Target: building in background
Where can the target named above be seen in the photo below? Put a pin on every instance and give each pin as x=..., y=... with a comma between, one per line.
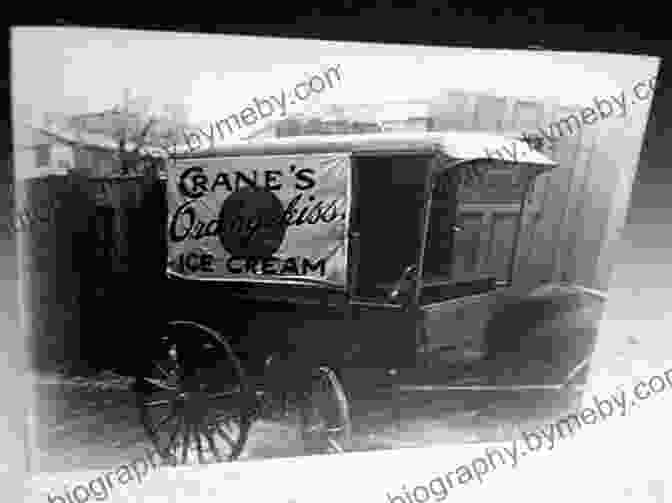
x=405, y=116
x=351, y=119
x=42, y=152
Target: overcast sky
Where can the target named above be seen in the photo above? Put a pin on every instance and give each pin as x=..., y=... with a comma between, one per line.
x=75, y=70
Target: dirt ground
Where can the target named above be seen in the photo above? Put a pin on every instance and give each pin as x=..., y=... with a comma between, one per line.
x=88, y=425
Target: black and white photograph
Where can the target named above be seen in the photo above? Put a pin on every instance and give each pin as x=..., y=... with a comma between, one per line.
x=319, y=250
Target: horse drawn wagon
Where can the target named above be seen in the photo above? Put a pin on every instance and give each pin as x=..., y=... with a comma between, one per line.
x=311, y=268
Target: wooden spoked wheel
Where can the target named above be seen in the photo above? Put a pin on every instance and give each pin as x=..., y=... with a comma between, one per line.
x=196, y=405
x=326, y=426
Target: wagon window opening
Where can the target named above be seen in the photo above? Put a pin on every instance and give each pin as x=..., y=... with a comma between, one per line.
x=390, y=193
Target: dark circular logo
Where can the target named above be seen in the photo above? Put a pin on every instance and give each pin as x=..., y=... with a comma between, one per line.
x=252, y=223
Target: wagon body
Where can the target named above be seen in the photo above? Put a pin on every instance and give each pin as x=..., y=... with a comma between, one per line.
x=399, y=197
x=323, y=264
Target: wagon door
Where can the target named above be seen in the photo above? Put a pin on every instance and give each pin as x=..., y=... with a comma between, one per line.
x=469, y=255
x=386, y=233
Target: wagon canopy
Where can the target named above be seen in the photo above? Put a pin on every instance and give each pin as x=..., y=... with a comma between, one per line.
x=280, y=210
x=456, y=145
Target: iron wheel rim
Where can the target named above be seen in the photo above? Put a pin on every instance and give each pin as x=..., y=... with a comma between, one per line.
x=326, y=426
x=192, y=428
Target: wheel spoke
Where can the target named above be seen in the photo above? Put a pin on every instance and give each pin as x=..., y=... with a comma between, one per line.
x=161, y=384
x=225, y=436
x=315, y=428
x=158, y=403
x=185, y=443
x=223, y=394
x=173, y=437
x=227, y=426
x=199, y=445
x=163, y=421
x=211, y=444
x=335, y=445
x=226, y=418
x=162, y=370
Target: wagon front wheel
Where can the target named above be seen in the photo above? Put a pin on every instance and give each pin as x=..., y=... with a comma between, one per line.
x=326, y=426
x=195, y=402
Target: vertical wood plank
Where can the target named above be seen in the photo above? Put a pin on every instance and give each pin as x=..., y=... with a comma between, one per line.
x=535, y=241
x=574, y=224
x=566, y=155
x=619, y=153
x=467, y=242
x=503, y=233
x=564, y=152
x=593, y=216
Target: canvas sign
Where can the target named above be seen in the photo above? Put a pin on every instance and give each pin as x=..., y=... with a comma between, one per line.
x=260, y=218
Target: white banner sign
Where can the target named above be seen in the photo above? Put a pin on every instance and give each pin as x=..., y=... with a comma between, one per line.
x=260, y=218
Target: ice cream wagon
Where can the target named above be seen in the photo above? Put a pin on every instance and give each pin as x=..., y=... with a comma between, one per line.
x=308, y=269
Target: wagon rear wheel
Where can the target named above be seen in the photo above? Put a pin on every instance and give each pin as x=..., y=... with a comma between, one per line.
x=195, y=403
x=326, y=425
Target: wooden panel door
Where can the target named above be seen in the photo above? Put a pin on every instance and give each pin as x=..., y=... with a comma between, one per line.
x=468, y=242
x=484, y=244
x=499, y=245
x=561, y=226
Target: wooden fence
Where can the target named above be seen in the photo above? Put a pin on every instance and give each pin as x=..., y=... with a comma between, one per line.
x=83, y=265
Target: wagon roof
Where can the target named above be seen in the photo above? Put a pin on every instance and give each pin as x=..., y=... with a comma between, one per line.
x=457, y=145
